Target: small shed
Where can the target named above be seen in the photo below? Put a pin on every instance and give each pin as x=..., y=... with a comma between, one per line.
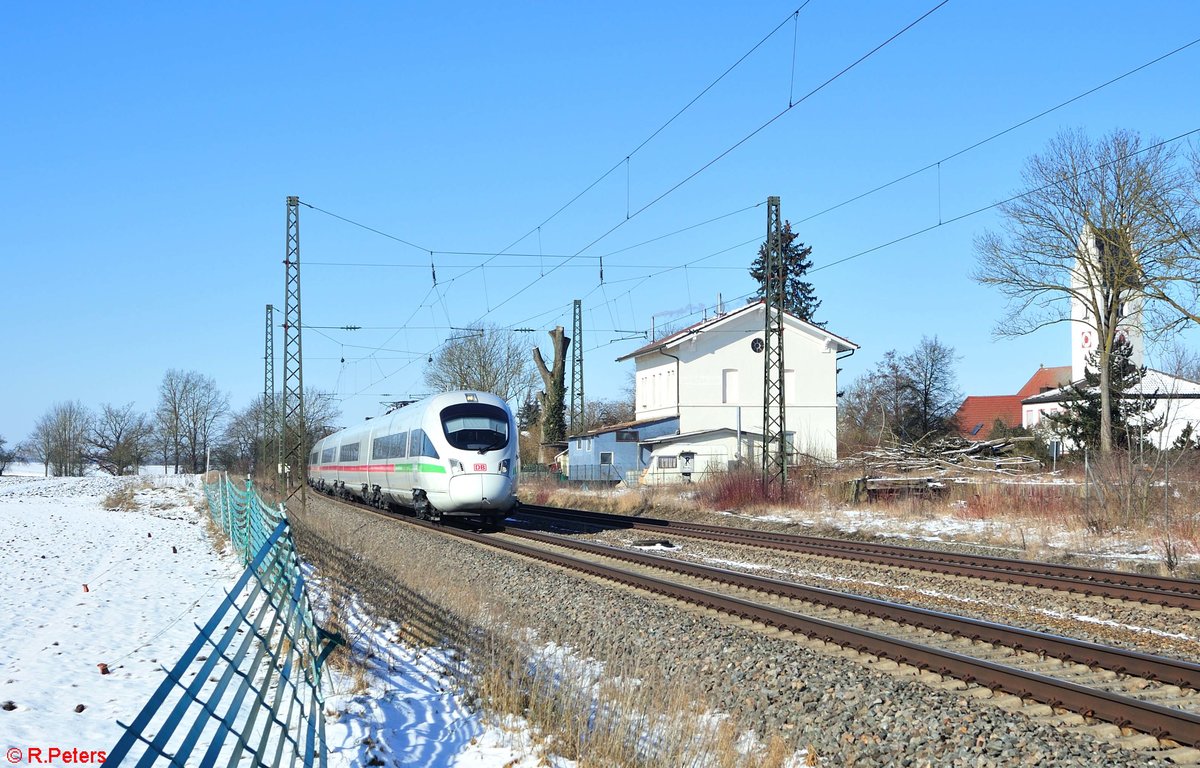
x=612, y=454
x=692, y=456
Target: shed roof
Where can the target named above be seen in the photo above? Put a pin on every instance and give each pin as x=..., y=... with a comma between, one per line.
x=621, y=426
x=695, y=433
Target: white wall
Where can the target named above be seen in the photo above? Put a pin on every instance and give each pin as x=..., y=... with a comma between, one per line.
x=720, y=375
x=1177, y=413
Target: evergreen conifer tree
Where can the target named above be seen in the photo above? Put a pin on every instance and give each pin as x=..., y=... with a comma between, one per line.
x=1079, y=421
x=799, y=298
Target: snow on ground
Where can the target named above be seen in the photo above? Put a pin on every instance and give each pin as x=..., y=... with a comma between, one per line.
x=1008, y=536
x=151, y=576
x=409, y=710
x=136, y=614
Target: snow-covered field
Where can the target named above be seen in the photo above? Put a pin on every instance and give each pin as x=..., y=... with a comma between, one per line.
x=151, y=575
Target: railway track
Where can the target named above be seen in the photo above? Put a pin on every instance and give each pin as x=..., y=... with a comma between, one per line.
x=1154, y=695
x=1119, y=585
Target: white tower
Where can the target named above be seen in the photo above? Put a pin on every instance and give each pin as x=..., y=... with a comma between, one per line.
x=1084, y=337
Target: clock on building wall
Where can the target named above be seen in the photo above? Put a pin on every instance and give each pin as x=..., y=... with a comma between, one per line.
x=756, y=345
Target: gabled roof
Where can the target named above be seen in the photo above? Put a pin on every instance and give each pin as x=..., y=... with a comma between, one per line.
x=1155, y=385
x=713, y=323
x=1045, y=380
x=978, y=413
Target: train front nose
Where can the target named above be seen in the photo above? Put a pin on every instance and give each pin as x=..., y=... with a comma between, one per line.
x=482, y=491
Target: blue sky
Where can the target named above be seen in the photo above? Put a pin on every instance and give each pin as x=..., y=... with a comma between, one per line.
x=149, y=149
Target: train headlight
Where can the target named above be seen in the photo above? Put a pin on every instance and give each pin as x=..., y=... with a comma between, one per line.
x=455, y=466
x=504, y=466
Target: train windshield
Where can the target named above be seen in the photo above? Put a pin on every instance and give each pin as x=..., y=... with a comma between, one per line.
x=475, y=427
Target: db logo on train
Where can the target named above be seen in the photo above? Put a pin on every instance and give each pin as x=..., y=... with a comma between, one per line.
x=481, y=467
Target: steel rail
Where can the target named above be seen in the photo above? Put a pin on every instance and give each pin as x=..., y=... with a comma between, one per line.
x=1159, y=590
x=1164, y=669
x=1123, y=711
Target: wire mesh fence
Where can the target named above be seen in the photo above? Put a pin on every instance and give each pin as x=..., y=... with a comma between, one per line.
x=247, y=691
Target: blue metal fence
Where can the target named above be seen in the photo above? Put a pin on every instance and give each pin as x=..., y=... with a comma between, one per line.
x=248, y=688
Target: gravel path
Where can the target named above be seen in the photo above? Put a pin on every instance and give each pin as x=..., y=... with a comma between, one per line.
x=849, y=712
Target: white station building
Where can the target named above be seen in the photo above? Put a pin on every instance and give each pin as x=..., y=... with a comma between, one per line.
x=703, y=389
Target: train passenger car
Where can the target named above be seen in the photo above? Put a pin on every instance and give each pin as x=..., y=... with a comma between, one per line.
x=450, y=455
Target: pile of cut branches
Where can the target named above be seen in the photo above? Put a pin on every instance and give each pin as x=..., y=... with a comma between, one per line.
x=946, y=455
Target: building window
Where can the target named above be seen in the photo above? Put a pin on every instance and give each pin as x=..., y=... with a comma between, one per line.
x=627, y=436
x=729, y=386
x=668, y=462
x=606, y=457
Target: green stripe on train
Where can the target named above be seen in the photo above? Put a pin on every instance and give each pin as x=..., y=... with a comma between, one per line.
x=434, y=468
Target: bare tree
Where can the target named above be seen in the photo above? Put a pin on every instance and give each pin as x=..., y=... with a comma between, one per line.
x=905, y=397
x=37, y=448
x=7, y=455
x=60, y=438
x=1105, y=225
x=1181, y=361
x=203, y=407
x=173, y=393
x=119, y=439
x=603, y=413
x=552, y=398
x=932, y=387
x=242, y=441
x=489, y=360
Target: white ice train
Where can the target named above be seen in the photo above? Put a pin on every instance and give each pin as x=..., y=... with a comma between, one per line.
x=450, y=455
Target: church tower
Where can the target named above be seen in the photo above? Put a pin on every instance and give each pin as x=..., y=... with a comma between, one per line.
x=1102, y=258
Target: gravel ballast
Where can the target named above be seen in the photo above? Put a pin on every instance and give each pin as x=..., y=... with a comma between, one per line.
x=846, y=712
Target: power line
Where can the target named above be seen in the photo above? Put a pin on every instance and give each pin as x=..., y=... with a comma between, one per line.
x=998, y=134
x=737, y=144
x=661, y=128
x=997, y=204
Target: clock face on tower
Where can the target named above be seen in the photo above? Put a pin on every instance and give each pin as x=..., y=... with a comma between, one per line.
x=756, y=345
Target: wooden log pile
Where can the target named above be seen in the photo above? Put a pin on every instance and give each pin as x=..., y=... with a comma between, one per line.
x=946, y=456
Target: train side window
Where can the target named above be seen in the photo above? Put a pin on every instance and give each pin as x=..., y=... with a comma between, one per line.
x=421, y=445
x=390, y=446
x=350, y=452
x=314, y=457
x=327, y=455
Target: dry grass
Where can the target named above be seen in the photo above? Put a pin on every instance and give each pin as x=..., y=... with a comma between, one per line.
x=595, y=699
x=1149, y=500
x=216, y=534
x=125, y=497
